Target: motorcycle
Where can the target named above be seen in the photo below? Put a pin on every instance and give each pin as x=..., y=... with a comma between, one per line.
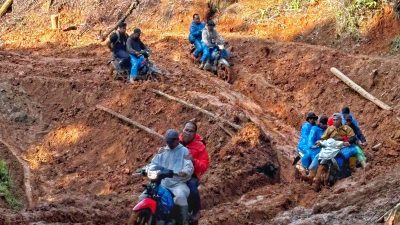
x=120, y=69
x=218, y=64
x=151, y=210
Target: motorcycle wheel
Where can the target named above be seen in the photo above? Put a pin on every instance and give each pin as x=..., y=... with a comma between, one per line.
x=141, y=217
x=225, y=73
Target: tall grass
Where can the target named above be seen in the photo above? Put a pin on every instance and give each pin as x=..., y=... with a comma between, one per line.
x=6, y=186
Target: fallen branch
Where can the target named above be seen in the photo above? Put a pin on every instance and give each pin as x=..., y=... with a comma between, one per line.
x=359, y=89
x=126, y=119
x=226, y=130
x=133, y=6
x=236, y=126
x=5, y=7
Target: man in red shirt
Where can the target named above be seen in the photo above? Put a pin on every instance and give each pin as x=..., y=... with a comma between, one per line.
x=199, y=156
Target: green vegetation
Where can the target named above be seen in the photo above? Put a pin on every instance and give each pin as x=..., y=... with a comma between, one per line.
x=395, y=47
x=351, y=14
x=6, y=186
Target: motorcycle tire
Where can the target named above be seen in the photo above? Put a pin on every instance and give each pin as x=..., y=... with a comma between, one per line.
x=225, y=73
x=141, y=217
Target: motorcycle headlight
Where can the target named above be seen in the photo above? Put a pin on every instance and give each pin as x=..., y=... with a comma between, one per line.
x=152, y=175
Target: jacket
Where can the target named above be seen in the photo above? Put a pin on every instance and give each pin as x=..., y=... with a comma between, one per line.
x=196, y=31
x=134, y=46
x=174, y=159
x=199, y=154
x=118, y=41
x=210, y=39
x=305, y=131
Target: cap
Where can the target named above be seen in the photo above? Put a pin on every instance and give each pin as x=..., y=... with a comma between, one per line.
x=311, y=115
x=171, y=134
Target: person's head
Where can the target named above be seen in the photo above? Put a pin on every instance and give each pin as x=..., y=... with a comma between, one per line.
x=345, y=110
x=172, y=138
x=311, y=118
x=189, y=132
x=323, y=122
x=196, y=18
x=136, y=33
x=121, y=27
x=210, y=25
x=337, y=120
x=348, y=119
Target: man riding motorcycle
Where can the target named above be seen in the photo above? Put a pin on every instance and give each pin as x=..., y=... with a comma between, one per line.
x=174, y=157
x=195, y=35
x=117, y=45
x=200, y=159
x=211, y=40
x=138, y=52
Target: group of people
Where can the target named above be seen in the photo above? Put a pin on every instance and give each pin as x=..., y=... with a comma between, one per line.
x=339, y=134
x=187, y=156
x=129, y=49
x=205, y=39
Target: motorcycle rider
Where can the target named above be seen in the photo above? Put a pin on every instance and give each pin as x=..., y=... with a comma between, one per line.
x=200, y=159
x=174, y=157
x=195, y=35
x=117, y=45
x=211, y=40
x=137, y=51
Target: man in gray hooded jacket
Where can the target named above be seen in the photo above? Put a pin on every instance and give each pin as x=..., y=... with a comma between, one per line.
x=174, y=156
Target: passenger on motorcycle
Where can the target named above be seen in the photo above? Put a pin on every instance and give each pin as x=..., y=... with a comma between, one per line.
x=137, y=51
x=342, y=132
x=174, y=157
x=361, y=141
x=195, y=35
x=305, y=131
x=346, y=111
x=211, y=40
x=117, y=45
x=199, y=156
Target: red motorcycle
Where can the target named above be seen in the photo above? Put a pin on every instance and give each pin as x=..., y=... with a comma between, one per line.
x=155, y=208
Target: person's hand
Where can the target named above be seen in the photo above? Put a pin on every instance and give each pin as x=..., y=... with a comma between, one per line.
x=346, y=144
x=182, y=174
x=161, y=150
x=189, y=157
x=364, y=144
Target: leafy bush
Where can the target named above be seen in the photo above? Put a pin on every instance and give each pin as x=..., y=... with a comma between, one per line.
x=395, y=47
x=6, y=186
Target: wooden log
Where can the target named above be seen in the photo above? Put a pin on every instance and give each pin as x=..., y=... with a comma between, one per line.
x=5, y=7
x=190, y=105
x=359, y=89
x=134, y=123
x=133, y=6
x=55, y=22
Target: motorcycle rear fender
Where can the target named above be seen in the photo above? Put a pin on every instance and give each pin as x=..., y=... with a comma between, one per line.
x=147, y=203
x=223, y=61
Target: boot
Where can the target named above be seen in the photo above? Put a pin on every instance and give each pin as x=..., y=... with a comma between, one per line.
x=201, y=66
x=184, y=215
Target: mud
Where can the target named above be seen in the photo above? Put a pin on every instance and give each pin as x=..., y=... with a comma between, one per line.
x=81, y=158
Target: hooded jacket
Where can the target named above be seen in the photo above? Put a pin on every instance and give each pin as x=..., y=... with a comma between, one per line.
x=174, y=159
x=196, y=31
x=199, y=153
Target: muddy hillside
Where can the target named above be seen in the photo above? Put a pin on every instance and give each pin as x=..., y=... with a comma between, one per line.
x=71, y=162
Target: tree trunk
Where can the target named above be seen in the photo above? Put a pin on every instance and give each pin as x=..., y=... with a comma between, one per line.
x=359, y=89
x=5, y=7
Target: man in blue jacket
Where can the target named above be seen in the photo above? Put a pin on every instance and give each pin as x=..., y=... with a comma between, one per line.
x=315, y=135
x=305, y=131
x=195, y=35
